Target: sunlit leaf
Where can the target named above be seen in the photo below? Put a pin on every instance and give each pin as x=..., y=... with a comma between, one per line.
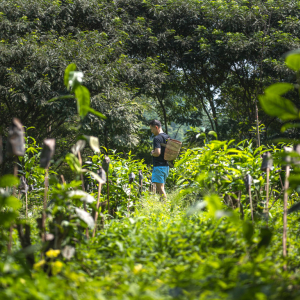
x=13, y=202
x=293, y=61
x=70, y=68
x=60, y=97
x=213, y=133
x=277, y=106
x=279, y=88
x=85, y=217
x=73, y=162
x=201, y=135
x=97, y=113
x=79, y=146
x=94, y=176
x=82, y=196
x=94, y=143
x=9, y=180
x=213, y=204
x=82, y=95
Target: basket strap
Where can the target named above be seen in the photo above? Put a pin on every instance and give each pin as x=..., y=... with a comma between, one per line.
x=164, y=145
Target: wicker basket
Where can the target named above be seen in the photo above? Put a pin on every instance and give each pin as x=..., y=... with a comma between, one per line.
x=172, y=149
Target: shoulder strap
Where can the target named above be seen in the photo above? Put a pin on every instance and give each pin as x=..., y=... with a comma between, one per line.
x=164, y=144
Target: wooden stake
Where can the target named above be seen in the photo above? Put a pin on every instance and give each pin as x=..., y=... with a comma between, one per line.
x=9, y=245
x=107, y=182
x=251, y=207
x=45, y=206
x=240, y=205
x=141, y=187
x=285, y=199
x=62, y=179
x=82, y=185
x=97, y=207
x=26, y=206
x=129, y=198
x=267, y=200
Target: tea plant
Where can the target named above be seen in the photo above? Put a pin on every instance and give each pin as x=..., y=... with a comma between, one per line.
x=151, y=249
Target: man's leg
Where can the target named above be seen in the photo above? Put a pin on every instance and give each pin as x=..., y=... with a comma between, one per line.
x=160, y=187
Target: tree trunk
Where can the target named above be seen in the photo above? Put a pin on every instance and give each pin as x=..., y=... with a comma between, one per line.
x=164, y=113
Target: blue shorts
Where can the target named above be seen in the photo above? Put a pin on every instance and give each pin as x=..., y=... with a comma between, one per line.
x=160, y=174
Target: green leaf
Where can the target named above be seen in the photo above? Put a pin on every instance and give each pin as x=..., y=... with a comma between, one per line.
x=279, y=88
x=83, y=196
x=94, y=143
x=9, y=180
x=82, y=95
x=97, y=113
x=85, y=217
x=213, y=204
x=96, y=176
x=70, y=68
x=201, y=135
x=73, y=162
x=277, y=106
x=60, y=97
x=293, y=61
x=13, y=202
x=289, y=125
x=213, y=133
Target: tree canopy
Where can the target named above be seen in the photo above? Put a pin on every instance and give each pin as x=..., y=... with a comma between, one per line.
x=189, y=61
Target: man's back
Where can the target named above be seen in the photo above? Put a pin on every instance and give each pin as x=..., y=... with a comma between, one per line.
x=157, y=141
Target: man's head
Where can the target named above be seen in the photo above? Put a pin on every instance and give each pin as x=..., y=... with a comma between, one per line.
x=155, y=127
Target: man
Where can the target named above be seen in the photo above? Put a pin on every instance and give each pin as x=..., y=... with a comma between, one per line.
x=160, y=166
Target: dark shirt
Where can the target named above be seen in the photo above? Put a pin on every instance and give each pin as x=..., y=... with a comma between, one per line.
x=158, y=139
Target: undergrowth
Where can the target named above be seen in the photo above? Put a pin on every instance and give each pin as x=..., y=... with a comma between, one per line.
x=161, y=252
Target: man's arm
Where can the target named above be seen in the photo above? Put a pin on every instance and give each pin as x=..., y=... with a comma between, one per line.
x=156, y=145
x=156, y=152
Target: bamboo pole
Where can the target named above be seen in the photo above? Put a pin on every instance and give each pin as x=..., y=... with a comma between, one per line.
x=251, y=206
x=83, y=188
x=97, y=207
x=26, y=205
x=285, y=199
x=129, y=198
x=9, y=245
x=267, y=200
x=62, y=179
x=107, y=183
x=45, y=206
x=240, y=205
